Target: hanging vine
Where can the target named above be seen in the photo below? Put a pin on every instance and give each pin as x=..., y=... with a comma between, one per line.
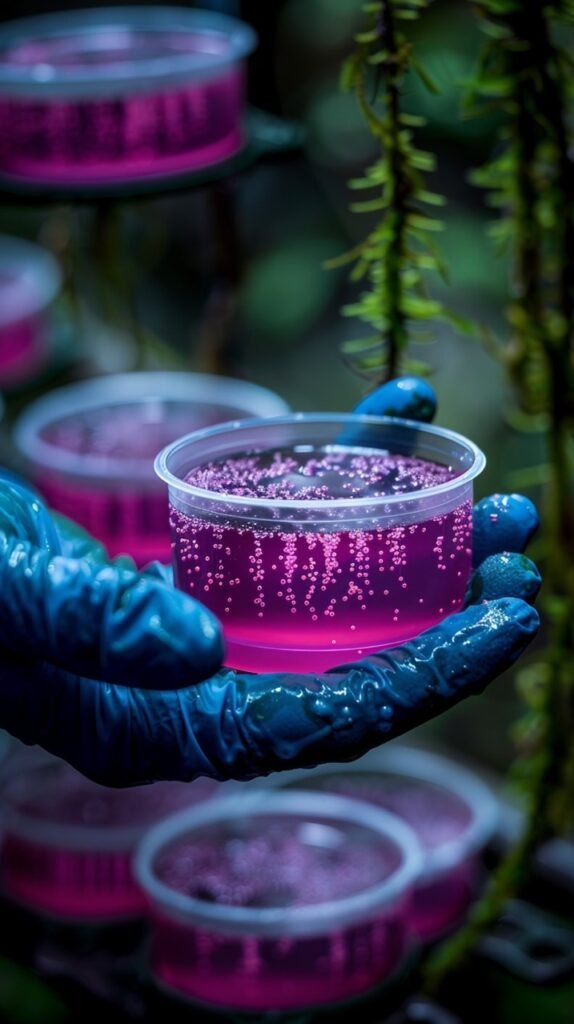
x=397, y=255
x=526, y=74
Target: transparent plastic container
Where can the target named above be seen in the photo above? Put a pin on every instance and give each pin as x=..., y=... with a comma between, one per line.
x=121, y=93
x=29, y=282
x=277, y=901
x=90, y=448
x=67, y=843
x=450, y=809
x=321, y=538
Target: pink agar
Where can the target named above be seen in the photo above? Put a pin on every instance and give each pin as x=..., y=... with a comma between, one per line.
x=291, y=598
x=21, y=340
x=439, y=818
x=69, y=851
x=277, y=869
x=128, y=515
x=97, y=139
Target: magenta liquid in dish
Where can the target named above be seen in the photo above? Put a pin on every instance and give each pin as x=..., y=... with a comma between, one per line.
x=302, y=599
x=134, y=134
x=439, y=818
x=129, y=515
x=67, y=843
x=281, y=868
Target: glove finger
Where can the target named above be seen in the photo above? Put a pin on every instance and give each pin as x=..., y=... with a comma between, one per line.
x=287, y=722
x=237, y=726
x=409, y=398
x=506, y=575
x=502, y=522
x=102, y=621
x=114, y=735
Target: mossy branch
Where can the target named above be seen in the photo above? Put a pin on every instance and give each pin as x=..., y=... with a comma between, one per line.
x=397, y=254
x=529, y=78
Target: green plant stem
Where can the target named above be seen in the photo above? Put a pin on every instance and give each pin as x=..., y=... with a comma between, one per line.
x=396, y=336
x=543, y=286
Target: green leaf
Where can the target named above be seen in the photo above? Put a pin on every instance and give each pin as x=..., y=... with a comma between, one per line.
x=431, y=198
x=367, y=37
x=526, y=423
x=351, y=71
x=359, y=270
x=505, y=6
x=424, y=76
x=381, y=57
x=417, y=367
x=418, y=308
x=412, y=120
x=358, y=346
x=375, y=176
x=417, y=220
x=500, y=87
x=335, y=262
x=461, y=324
x=423, y=161
x=27, y=999
x=369, y=206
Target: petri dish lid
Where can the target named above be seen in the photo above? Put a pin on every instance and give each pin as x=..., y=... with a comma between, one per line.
x=75, y=430
x=52, y=804
x=29, y=279
x=417, y=785
x=103, y=51
x=371, y=858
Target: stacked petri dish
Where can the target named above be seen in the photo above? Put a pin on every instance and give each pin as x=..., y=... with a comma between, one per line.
x=449, y=808
x=116, y=94
x=89, y=448
x=67, y=843
x=278, y=901
x=29, y=282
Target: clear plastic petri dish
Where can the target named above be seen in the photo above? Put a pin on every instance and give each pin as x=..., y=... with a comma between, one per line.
x=320, y=538
x=121, y=93
x=29, y=282
x=451, y=810
x=277, y=901
x=89, y=448
x=67, y=843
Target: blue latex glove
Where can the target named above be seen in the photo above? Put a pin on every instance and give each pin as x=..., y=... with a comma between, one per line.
x=73, y=627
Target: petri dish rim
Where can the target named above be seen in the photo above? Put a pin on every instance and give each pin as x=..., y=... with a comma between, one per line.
x=38, y=274
x=427, y=766
x=107, y=391
x=137, y=76
x=312, y=919
x=111, y=838
x=324, y=506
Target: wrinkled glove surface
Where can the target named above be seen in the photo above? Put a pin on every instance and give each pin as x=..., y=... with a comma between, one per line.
x=114, y=670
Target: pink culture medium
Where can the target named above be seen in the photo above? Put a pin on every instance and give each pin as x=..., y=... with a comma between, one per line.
x=90, y=448
x=120, y=94
x=310, y=553
x=67, y=844
x=300, y=901
x=450, y=810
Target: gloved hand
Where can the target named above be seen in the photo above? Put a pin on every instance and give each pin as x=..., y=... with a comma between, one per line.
x=101, y=665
